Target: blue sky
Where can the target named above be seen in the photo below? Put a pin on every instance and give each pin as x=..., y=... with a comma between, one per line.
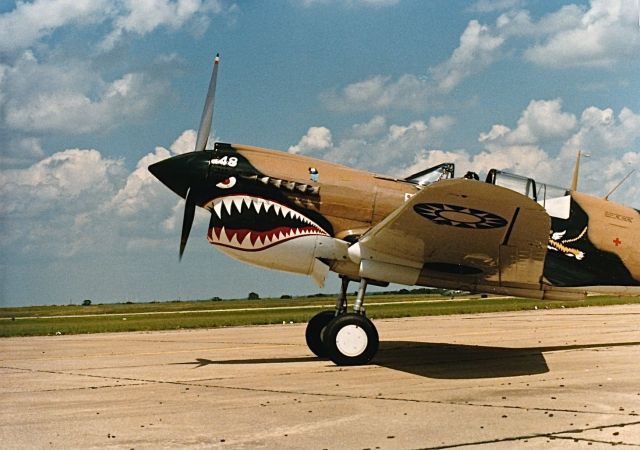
x=92, y=92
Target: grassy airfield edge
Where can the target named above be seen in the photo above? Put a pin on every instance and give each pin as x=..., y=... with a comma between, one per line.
x=127, y=317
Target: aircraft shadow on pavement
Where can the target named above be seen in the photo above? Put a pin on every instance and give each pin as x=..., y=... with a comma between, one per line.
x=457, y=361
x=444, y=361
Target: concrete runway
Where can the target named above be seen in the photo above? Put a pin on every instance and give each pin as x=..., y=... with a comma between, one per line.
x=547, y=378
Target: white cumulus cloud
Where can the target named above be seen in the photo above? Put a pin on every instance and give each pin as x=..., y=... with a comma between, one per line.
x=63, y=178
x=542, y=143
x=378, y=93
x=45, y=97
x=23, y=26
x=546, y=140
x=78, y=201
x=602, y=132
x=19, y=151
x=371, y=128
x=479, y=47
x=349, y=3
x=317, y=138
x=541, y=120
x=143, y=17
x=602, y=35
x=606, y=33
x=46, y=207
x=374, y=145
x=31, y=22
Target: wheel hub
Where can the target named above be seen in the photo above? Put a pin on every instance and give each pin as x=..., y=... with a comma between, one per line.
x=352, y=340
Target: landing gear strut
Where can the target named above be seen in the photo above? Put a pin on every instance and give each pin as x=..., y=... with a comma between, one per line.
x=348, y=339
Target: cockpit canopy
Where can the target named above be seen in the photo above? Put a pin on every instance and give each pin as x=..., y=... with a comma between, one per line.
x=442, y=171
x=554, y=199
x=540, y=192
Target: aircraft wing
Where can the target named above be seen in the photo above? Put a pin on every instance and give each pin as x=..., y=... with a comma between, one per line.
x=465, y=230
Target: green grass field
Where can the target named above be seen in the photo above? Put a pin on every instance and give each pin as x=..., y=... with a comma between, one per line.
x=51, y=320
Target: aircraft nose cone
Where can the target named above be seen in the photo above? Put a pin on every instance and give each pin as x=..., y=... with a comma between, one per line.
x=181, y=172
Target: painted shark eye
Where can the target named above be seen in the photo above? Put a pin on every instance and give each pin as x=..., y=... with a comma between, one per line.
x=227, y=184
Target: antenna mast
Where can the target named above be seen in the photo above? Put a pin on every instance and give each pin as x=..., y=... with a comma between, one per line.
x=576, y=171
x=606, y=197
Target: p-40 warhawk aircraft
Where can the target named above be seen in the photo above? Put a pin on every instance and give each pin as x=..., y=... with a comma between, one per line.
x=506, y=235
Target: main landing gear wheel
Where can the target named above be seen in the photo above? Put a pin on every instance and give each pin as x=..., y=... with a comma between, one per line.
x=351, y=340
x=315, y=332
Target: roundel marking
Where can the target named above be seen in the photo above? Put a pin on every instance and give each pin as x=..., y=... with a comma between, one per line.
x=459, y=216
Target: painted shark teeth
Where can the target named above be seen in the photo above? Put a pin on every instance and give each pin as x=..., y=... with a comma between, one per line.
x=254, y=241
x=244, y=202
x=292, y=223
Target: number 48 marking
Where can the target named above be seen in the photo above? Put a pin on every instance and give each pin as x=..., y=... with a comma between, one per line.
x=225, y=161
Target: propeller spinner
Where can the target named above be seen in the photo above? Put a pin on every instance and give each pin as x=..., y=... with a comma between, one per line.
x=184, y=173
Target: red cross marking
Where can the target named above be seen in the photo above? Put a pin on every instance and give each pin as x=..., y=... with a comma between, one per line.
x=617, y=241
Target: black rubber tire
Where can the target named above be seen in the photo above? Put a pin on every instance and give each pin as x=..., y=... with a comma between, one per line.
x=315, y=331
x=352, y=326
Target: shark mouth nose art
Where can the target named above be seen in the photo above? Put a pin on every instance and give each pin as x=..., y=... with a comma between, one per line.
x=251, y=223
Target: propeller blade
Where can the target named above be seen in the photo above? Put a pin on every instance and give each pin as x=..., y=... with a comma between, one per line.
x=187, y=221
x=207, y=112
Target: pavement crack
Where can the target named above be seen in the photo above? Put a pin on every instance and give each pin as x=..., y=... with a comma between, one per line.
x=595, y=441
x=202, y=383
x=554, y=435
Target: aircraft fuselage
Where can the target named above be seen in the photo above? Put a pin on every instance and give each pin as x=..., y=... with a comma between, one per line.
x=303, y=215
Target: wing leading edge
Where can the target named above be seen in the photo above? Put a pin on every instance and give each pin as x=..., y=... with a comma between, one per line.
x=460, y=232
